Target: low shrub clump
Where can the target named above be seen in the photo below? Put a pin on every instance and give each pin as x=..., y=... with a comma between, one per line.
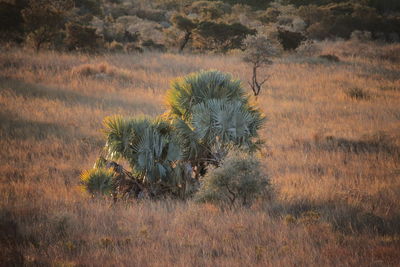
x=100, y=70
x=238, y=180
x=357, y=93
x=330, y=58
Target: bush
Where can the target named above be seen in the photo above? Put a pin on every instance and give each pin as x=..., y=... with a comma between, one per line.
x=290, y=40
x=341, y=19
x=98, y=181
x=308, y=48
x=10, y=22
x=151, y=14
x=269, y=16
x=102, y=70
x=43, y=22
x=82, y=38
x=115, y=46
x=361, y=36
x=89, y=7
x=329, y=57
x=209, y=10
x=132, y=48
x=153, y=46
x=238, y=180
x=357, y=93
x=221, y=37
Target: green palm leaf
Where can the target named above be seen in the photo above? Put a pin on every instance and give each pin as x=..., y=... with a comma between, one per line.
x=199, y=87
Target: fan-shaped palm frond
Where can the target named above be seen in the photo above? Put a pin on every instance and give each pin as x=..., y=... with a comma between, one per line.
x=98, y=181
x=230, y=121
x=199, y=87
x=188, y=140
x=148, y=145
x=122, y=133
x=118, y=135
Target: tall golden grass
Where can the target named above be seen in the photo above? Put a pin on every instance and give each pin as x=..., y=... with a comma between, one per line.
x=333, y=160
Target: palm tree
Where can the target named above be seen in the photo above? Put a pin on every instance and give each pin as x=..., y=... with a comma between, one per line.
x=208, y=114
x=209, y=107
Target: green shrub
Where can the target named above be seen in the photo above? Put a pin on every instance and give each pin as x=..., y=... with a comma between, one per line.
x=43, y=21
x=98, y=181
x=82, y=38
x=341, y=19
x=238, y=180
x=209, y=10
x=220, y=37
x=290, y=40
x=11, y=23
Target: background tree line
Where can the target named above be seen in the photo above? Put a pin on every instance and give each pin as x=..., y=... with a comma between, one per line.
x=197, y=26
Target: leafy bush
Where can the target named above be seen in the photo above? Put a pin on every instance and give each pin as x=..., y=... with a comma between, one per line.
x=11, y=23
x=308, y=48
x=341, y=19
x=43, y=21
x=238, y=180
x=151, y=14
x=98, y=181
x=209, y=10
x=82, y=38
x=290, y=40
x=268, y=16
x=221, y=37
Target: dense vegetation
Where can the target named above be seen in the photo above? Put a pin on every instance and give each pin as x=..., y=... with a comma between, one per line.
x=134, y=26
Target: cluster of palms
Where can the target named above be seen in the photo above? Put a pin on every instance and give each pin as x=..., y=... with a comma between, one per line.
x=208, y=115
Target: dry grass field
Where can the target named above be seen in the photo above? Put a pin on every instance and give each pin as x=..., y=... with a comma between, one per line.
x=332, y=153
